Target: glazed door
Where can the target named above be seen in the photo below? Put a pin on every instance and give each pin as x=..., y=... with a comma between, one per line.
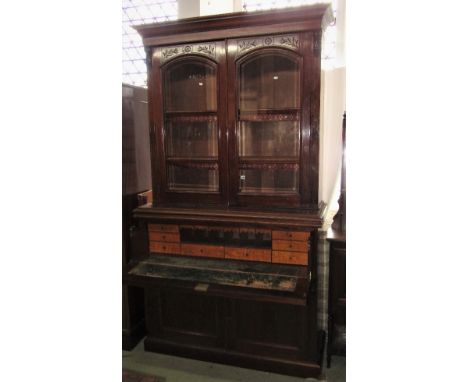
x=269, y=116
x=190, y=127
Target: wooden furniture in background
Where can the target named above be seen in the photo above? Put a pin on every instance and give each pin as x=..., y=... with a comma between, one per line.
x=231, y=235
x=337, y=271
x=136, y=177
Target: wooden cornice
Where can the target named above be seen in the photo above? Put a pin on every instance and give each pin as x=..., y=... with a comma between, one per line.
x=236, y=24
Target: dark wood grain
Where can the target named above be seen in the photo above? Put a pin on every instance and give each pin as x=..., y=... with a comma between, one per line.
x=251, y=322
x=235, y=25
x=268, y=219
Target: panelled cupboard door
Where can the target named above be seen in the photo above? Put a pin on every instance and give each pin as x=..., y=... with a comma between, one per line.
x=269, y=118
x=188, y=109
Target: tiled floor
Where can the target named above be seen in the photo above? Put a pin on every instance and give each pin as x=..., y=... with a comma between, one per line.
x=176, y=369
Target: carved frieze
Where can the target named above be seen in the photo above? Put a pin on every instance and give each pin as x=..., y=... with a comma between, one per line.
x=269, y=166
x=197, y=165
x=193, y=118
x=270, y=117
x=290, y=41
x=169, y=52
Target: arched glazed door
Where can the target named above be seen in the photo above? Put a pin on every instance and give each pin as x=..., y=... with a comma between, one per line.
x=270, y=118
x=192, y=144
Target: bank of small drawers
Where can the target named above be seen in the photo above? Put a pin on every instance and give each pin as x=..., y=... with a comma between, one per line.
x=288, y=247
x=164, y=238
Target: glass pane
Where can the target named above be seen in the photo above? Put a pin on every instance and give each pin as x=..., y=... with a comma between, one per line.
x=269, y=138
x=269, y=82
x=192, y=178
x=269, y=180
x=192, y=139
x=190, y=86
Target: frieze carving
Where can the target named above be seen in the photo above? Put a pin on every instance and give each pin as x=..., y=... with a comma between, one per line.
x=290, y=40
x=193, y=118
x=284, y=41
x=208, y=49
x=269, y=166
x=270, y=117
x=196, y=165
x=169, y=52
x=245, y=45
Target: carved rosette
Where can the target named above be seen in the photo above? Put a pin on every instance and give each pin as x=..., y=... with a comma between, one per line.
x=285, y=41
x=169, y=52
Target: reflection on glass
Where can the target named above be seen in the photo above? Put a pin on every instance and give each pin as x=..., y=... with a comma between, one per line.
x=269, y=82
x=191, y=178
x=190, y=86
x=192, y=139
x=269, y=138
x=269, y=180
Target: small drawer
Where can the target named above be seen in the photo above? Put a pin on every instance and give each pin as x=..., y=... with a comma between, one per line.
x=250, y=254
x=164, y=237
x=294, y=246
x=164, y=247
x=163, y=228
x=284, y=257
x=202, y=250
x=291, y=235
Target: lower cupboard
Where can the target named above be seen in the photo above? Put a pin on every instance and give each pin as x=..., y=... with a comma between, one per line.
x=247, y=332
